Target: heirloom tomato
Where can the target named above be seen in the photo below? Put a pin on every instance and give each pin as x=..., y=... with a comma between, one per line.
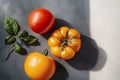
x=64, y=42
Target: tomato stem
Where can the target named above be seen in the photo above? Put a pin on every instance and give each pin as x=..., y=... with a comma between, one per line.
x=9, y=53
x=45, y=52
x=72, y=38
x=66, y=41
x=66, y=35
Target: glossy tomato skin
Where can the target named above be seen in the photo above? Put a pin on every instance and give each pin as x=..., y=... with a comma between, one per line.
x=56, y=51
x=53, y=42
x=64, y=42
x=41, y=20
x=39, y=67
x=67, y=53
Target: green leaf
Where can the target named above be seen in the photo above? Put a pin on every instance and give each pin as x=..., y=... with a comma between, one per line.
x=10, y=40
x=29, y=39
x=10, y=25
x=23, y=34
x=18, y=49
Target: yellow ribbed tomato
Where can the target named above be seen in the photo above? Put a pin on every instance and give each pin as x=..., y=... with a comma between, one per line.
x=64, y=42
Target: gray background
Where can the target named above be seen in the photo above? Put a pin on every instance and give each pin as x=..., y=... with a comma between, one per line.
x=72, y=13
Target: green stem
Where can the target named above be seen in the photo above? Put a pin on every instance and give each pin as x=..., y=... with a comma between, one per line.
x=64, y=43
x=20, y=34
x=45, y=52
x=17, y=37
x=9, y=53
x=66, y=35
x=72, y=38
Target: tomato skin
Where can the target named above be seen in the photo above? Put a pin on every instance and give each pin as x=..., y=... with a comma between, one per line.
x=75, y=44
x=40, y=20
x=63, y=30
x=73, y=32
x=67, y=53
x=64, y=42
x=39, y=67
x=57, y=34
x=53, y=67
x=56, y=51
x=53, y=42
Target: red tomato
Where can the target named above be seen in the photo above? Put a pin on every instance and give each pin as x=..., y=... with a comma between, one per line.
x=40, y=20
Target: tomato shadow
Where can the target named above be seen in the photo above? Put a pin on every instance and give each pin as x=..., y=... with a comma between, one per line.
x=61, y=73
x=101, y=61
x=89, y=56
x=58, y=23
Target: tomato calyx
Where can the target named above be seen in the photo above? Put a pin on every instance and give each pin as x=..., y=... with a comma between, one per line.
x=45, y=52
x=66, y=41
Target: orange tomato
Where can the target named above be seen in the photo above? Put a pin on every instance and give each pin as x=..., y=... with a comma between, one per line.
x=53, y=41
x=64, y=42
x=39, y=67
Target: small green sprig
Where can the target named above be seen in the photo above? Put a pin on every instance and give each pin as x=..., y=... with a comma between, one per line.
x=12, y=28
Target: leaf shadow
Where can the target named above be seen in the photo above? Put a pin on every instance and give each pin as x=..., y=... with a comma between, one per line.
x=18, y=26
x=37, y=43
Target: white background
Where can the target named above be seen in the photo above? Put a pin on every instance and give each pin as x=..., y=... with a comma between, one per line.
x=105, y=29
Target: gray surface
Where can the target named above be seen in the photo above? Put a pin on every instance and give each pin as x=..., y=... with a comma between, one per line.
x=73, y=13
